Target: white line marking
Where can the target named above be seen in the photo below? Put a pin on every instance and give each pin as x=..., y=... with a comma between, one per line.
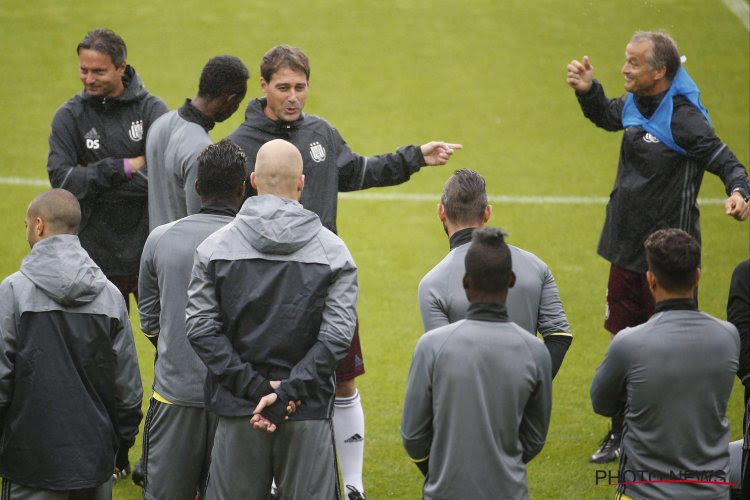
x=502, y=198
x=21, y=181
x=741, y=9
x=423, y=197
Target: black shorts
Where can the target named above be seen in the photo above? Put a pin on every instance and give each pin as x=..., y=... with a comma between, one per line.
x=629, y=300
x=352, y=365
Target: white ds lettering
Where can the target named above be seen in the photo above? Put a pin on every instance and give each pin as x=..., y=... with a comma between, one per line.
x=92, y=143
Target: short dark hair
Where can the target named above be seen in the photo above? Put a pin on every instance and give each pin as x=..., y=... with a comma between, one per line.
x=488, y=261
x=59, y=209
x=465, y=197
x=221, y=169
x=674, y=257
x=283, y=56
x=663, y=53
x=223, y=75
x=107, y=42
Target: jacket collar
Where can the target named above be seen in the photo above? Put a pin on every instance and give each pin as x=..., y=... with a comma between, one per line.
x=219, y=209
x=675, y=305
x=488, y=311
x=190, y=113
x=461, y=237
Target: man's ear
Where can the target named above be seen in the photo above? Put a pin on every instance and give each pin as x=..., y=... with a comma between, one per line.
x=253, y=181
x=263, y=85
x=698, y=275
x=39, y=226
x=651, y=280
x=661, y=73
x=512, y=281
x=197, y=187
x=487, y=213
x=441, y=212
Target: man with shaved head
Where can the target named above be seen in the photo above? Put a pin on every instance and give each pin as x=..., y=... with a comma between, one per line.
x=271, y=312
x=70, y=389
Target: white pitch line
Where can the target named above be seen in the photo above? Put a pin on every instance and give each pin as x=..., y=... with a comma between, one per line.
x=22, y=181
x=502, y=198
x=741, y=9
x=422, y=197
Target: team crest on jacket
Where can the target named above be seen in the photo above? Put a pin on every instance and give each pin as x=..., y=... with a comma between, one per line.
x=651, y=138
x=317, y=152
x=136, y=131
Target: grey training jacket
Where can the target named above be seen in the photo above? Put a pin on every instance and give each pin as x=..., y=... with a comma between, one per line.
x=477, y=405
x=533, y=303
x=166, y=266
x=677, y=369
x=272, y=297
x=70, y=389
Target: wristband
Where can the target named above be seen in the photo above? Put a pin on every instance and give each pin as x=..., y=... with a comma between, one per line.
x=127, y=168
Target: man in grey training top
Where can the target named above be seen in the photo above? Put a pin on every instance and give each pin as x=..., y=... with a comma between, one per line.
x=672, y=377
x=178, y=137
x=479, y=394
x=271, y=312
x=178, y=432
x=533, y=302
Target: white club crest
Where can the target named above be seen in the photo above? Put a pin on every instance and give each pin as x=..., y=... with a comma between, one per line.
x=650, y=138
x=317, y=152
x=136, y=131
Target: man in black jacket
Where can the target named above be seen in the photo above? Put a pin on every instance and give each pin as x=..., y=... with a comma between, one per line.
x=96, y=151
x=70, y=389
x=329, y=167
x=667, y=146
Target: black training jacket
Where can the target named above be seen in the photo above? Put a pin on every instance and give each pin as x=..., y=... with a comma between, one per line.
x=656, y=187
x=89, y=139
x=328, y=163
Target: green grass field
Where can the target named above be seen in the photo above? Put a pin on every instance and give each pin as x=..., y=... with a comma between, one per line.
x=490, y=75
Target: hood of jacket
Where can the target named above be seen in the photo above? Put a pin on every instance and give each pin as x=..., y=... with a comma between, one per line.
x=275, y=225
x=256, y=118
x=62, y=269
x=134, y=89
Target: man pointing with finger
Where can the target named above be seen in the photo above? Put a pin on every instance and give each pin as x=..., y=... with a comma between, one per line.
x=667, y=145
x=329, y=167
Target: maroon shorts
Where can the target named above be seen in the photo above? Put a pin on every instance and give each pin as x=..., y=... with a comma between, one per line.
x=629, y=300
x=352, y=365
x=126, y=285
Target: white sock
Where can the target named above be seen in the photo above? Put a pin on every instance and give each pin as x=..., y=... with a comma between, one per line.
x=349, y=429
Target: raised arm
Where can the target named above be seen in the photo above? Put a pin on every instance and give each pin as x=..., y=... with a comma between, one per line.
x=360, y=172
